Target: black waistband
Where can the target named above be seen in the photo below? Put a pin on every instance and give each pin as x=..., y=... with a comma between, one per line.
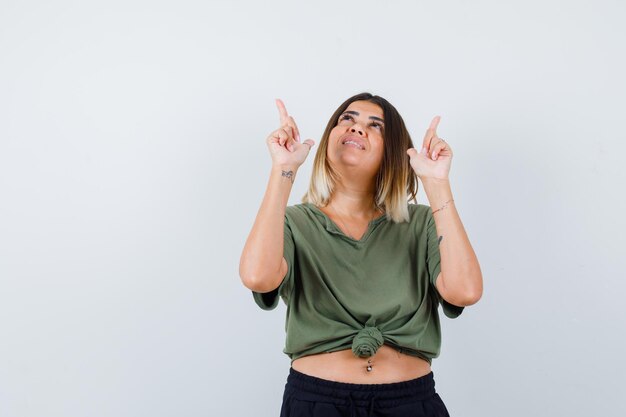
x=387, y=394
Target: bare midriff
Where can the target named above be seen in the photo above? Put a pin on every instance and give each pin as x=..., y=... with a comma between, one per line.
x=387, y=366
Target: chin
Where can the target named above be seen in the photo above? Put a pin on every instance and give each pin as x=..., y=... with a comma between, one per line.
x=347, y=159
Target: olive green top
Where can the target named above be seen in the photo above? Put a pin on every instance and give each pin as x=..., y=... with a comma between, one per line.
x=343, y=293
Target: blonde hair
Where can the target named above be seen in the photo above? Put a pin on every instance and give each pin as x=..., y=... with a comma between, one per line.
x=396, y=182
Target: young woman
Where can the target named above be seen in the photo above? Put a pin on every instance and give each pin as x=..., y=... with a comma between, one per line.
x=361, y=270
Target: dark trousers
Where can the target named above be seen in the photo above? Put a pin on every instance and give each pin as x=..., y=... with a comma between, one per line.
x=308, y=396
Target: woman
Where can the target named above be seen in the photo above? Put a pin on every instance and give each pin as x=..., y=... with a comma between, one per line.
x=361, y=270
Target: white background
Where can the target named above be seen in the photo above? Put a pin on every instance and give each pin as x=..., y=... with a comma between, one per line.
x=133, y=162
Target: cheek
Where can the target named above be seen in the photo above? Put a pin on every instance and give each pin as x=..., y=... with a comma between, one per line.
x=337, y=131
x=380, y=151
x=334, y=135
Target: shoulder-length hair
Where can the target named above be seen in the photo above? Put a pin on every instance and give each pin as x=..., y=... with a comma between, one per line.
x=395, y=181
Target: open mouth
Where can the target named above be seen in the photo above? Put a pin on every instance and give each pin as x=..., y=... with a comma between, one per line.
x=353, y=143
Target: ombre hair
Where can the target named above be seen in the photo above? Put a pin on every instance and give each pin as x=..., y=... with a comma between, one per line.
x=396, y=182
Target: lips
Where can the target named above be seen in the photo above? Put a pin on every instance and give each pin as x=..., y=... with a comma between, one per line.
x=355, y=141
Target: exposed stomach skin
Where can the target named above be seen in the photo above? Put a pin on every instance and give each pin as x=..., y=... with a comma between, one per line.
x=388, y=366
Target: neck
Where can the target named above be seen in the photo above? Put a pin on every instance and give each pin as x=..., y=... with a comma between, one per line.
x=353, y=201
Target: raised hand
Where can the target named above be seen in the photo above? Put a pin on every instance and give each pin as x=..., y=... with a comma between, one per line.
x=284, y=143
x=435, y=158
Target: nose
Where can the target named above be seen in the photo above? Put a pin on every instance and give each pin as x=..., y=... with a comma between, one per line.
x=357, y=129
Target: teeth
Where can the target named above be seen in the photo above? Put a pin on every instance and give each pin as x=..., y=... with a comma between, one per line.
x=354, y=143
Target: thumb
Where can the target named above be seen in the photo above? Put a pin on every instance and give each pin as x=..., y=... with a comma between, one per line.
x=301, y=145
x=412, y=152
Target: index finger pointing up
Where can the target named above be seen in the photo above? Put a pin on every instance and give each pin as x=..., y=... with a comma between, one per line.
x=434, y=123
x=284, y=116
x=431, y=132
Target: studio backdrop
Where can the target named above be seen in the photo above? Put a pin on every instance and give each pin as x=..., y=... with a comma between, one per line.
x=133, y=162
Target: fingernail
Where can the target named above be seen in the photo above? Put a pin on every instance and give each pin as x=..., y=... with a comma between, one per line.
x=433, y=155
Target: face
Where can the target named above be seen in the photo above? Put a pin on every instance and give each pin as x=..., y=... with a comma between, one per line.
x=357, y=139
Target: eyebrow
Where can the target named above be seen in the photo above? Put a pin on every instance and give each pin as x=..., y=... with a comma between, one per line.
x=356, y=113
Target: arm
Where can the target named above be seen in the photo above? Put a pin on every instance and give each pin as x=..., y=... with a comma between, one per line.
x=262, y=265
x=460, y=281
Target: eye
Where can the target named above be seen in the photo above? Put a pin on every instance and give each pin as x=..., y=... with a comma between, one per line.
x=345, y=117
x=377, y=125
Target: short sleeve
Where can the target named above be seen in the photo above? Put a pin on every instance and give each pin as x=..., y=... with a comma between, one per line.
x=269, y=300
x=433, y=261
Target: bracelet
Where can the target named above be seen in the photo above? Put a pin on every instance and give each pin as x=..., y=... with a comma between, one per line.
x=443, y=207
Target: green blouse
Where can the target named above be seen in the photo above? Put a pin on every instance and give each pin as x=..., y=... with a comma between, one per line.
x=343, y=293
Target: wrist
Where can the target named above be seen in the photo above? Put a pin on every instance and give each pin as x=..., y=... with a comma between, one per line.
x=285, y=167
x=437, y=191
x=434, y=182
x=284, y=172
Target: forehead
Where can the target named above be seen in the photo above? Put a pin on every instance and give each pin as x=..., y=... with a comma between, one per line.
x=366, y=108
